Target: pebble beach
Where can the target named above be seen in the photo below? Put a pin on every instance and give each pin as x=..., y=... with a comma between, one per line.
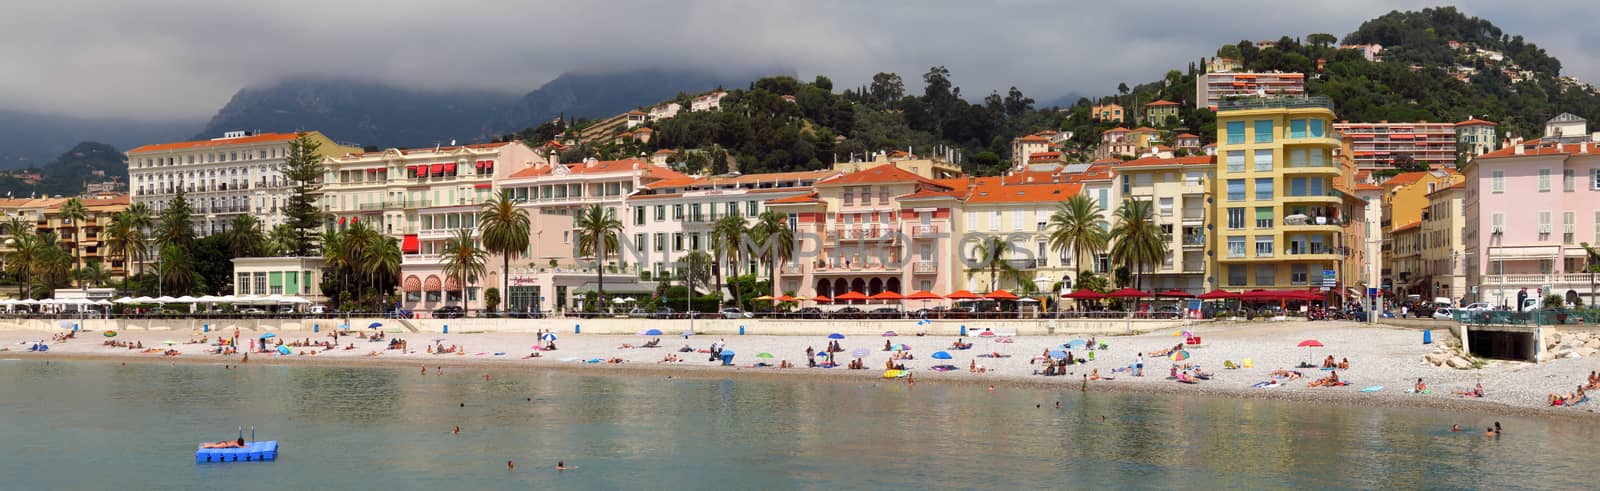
x=1393, y=358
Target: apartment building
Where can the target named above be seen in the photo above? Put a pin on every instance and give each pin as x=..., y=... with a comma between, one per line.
x=1379, y=145
x=1107, y=112
x=239, y=173
x=1444, y=270
x=1279, y=218
x=1177, y=187
x=708, y=102
x=1214, y=87
x=1406, y=194
x=1161, y=111
x=1529, y=207
x=1476, y=137
x=669, y=218
x=1405, y=260
x=423, y=196
x=84, y=240
x=1016, y=209
x=1024, y=147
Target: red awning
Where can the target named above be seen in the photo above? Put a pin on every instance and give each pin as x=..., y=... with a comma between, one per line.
x=438, y=169
x=482, y=185
x=412, y=169
x=409, y=245
x=373, y=170
x=449, y=168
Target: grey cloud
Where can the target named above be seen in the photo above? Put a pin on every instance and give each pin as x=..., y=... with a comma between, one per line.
x=160, y=59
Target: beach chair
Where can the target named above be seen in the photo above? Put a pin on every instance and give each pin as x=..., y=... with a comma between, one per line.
x=1248, y=363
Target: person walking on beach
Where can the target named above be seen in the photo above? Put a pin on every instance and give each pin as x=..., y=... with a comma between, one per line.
x=811, y=357
x=1138, y=366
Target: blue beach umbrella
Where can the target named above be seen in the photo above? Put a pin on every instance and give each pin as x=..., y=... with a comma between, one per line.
x=835, y=336
x=268, y=335
x=1058, y=354
x=375, y=325
x=688, y=333
x=283, y=350
x=549, y=336
x=651, y=332
x=941, y=355
x=1077, y=343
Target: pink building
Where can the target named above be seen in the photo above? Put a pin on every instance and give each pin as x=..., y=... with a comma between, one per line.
x=1529, y=207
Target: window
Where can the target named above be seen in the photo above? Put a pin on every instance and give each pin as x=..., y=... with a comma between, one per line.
x=1236, y=246
x=661, y=242
x=1544, y=224
x=1544, y=180
x=661, y=212
x=638, y=216
x=1236, y=161
x=1263, y=246
x=1264, y=218
x=1264, y=189
x=694, y=241
x=1017, y=220
x=1594, y=179
x=1236, y=190
x=994, y=221
x=1497, y=223
x=1546, y=266
x=1264, y=131
x=1297, y=186
x=1318, y=158
x=1597, y=226
x=638, y=243
x=1165, y=207
x=1316, y=128
x=1569, y=224
x=1262, y=159
x=1266, y=274
x=677, y=212
x=677, y=241
x=1569, y=178
x=1236, y=275
x=1297, y=274
x=1235, y=131
x=752, y=208
x=1105, y=198
x=1297, y=128
x=1235, y=218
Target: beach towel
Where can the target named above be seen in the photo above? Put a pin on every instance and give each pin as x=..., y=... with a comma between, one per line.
x=1265, y=384
x=1374, y=388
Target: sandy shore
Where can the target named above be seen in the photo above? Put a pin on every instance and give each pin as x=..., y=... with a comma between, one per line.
x=1386, y=357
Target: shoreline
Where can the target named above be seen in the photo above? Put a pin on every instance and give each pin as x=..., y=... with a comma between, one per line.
x=1071, y=382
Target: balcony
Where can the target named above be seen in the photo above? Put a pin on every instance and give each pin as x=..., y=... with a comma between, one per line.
x=377, y=206
x=1026, y=264
x=924, y=267
x=1194, y=214
x=1559, y=281
x=417, y=203
x=1194, y=241
x=1326, y=196
x=924, y=231
x=790, y=268
x=1299, y=221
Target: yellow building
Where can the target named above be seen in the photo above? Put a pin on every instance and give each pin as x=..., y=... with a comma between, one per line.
x=1107, y=112
x=83, y=240
x=1405, y=195
x=1279, y=218
x=1177, y=188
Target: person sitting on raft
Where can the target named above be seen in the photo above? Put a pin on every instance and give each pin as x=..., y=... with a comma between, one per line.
x=239, y=443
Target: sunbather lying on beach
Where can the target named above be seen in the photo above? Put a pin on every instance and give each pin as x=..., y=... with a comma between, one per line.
x=995, y=354
x=1475, y=392
x=533, y=355
x=1330, y=381
x=1286, y=374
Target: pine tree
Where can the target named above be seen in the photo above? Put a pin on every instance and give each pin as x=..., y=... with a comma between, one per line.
x=303, y=169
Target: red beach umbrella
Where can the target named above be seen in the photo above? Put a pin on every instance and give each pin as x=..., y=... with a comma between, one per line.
x=1308, y=344
x=851, y=296
x=1174, y=294
x=1129, y=293
x=1083, y=294
x=1001, y=295
x=887, y=296
x=820, y=299
x=923, y=295
x=1218, y=295
x=963, y=295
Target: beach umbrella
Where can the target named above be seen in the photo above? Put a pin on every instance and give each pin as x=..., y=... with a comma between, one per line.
x=900, y=347
x=143, y=300
x=283, y=350
x=963, y=295
x=835, y=336
x=1174, y=294
x=374, y=325
x=1308, y=344
x=941, y=355
x=688, y=333
x=102, y=302
x=1076, y=344
x=889, y=334
x=763, y=355
x=1082, y=294
x=923, y=295
x=887, y=296
x=165, y=299
x=268, y=335
x=763, y=298
x=860, y=353
x=184, y=299
x=1128, y=293
x=820, y=299
x=786, y=298
x=1218, y=295
x=549, y=336
x=650, y=332
x=1057, y=354
x=123, y=300
x=66, y=324
x=1000, y=295
x=169, y=342
x=851, y=297
x=1179, y=355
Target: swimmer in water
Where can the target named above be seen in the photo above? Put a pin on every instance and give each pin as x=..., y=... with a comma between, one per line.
x=511, y=466
x=1102, y=418
x=1497, y=429
x=561, y=465
x=486, y=376
x=424, y=370
x=1455, y=428
x=1488, y=433
x=1058, y=404
x=463, y=404
x=456, y=431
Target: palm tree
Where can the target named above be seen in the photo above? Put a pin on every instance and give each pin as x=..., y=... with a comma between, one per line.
x=1139, y=241
x=777, y=242
x=333, y=259
x=1591, y=265
x=462, y=259
x=52, y=264
x=177, y=269
x=597, y=237
x=1077, y=226
x=75, y=213
x=696, y=265
x=139, y=222
x=725, y=237
x=282, y=240
x=93, y=274
x=382, y=260
x=991, y=257
x=505, y=230
x=24, y=251
x=245, y=238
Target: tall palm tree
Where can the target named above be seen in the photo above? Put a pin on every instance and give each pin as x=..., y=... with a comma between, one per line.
x=504, y=229
x=177, y=270
x=1139, y=241
x=462, y=259
x=696, y=267
x=245, y=238
x=598, y=234
x=991, y=257
x=93, y=274
x=1077, y=226
x=352, y=247
x=282, y=240
x=333, y=259
x=777, y=242
x=74, y=211
x=725, y=236
x=139, y=221
x=52, y=264
x=24, y=251
x=382, y=260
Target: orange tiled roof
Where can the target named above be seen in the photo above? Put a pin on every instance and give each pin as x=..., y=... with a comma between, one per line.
x=1188, y=135
x=261, y=138
x=1475, y=122
x=1158, y=161
x=1404, y=179
x=997, y=190
x=1033, y=138
x=1115, y=130
x=1145, y=129
x=1409, y=226
x=1368, y=187
x=1162, y=102
x=1537, y=148
x=802, y=199
x=636, y=112
x=882, y=174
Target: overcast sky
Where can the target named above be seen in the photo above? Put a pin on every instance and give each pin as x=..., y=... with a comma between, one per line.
x=170, y=59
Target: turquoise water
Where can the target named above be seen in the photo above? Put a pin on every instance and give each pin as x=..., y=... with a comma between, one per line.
x=90, y=425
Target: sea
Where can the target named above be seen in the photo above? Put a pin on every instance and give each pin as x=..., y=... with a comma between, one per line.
x=104, y=425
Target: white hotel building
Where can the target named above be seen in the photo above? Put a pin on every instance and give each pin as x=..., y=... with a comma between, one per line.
x=240, y=173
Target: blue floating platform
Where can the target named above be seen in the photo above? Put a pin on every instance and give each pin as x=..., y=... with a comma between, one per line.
x=252, y=452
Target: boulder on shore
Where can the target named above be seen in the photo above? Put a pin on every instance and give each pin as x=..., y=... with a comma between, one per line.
x=1459, y=363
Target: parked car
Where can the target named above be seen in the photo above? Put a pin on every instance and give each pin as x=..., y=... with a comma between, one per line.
x=734, y=313
x=664, y=313
x=885, y=313
x=1478, y=307
x=449, y=312
x=1444, y=314
x=808, y=313
x=847, y=313
x=246, y=311
x=638, y=313
x=317, y=309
